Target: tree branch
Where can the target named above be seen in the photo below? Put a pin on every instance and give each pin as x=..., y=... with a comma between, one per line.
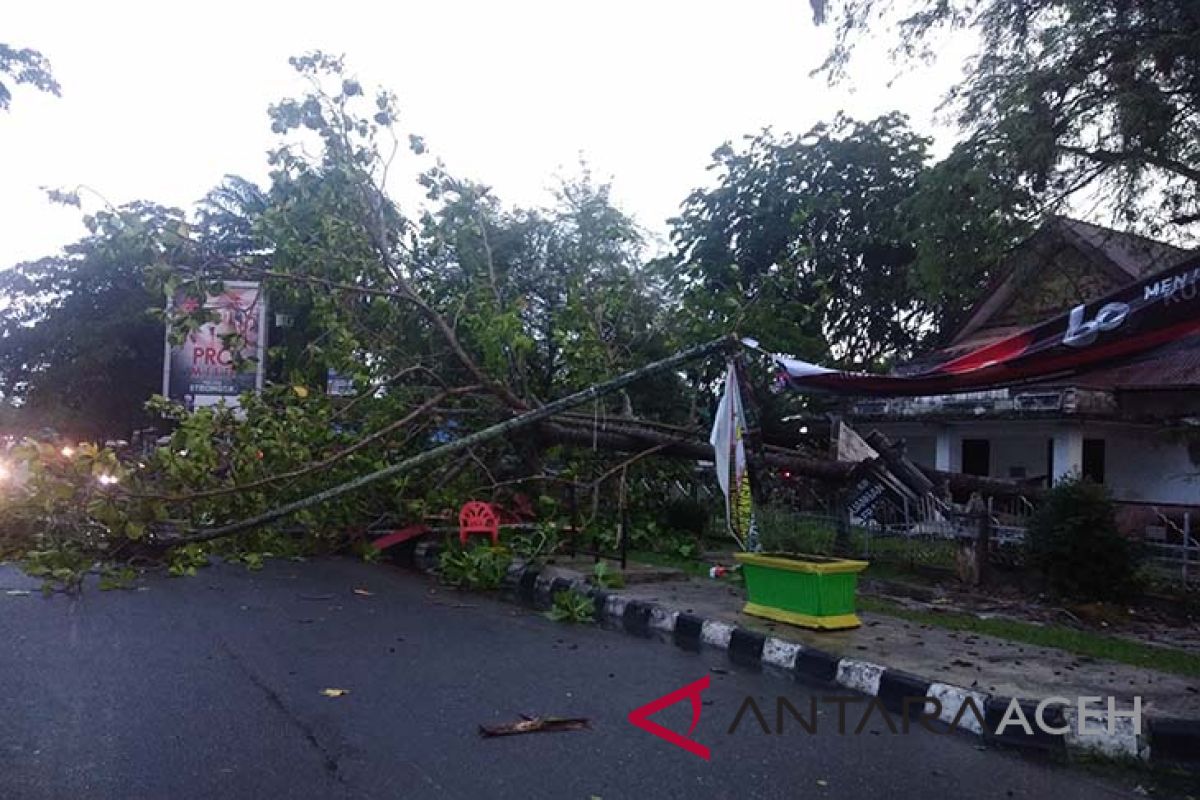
x=386, y=430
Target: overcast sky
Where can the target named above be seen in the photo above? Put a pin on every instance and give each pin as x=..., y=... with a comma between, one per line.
x=159, y=103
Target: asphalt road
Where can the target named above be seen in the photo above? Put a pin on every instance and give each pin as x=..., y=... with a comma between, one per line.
x=210, y=687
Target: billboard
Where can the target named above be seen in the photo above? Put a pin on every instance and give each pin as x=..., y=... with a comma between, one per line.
x=1141, y=316
x=202, y=370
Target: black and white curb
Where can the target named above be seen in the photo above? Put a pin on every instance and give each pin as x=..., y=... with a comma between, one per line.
x=1160, y=741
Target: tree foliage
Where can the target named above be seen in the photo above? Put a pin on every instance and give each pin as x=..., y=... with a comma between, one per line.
x=80, y=347
x=463, y=312
x=23, y=66
x=1074, y=543
x=1069, y=94
x=843, y=242
x=451, y=318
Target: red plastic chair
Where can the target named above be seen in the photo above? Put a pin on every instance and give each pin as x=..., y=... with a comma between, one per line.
x=478, y=517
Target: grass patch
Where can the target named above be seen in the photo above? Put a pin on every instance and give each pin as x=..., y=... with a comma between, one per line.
x=1084, y=643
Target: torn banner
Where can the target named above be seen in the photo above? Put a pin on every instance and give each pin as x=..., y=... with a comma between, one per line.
x=1141, y=316
x=729, y=456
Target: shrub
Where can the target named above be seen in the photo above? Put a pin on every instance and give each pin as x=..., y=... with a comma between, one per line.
x=1074, y=544
x=536, y=544
x=605, y=578
x=573, y=607
x=482, y=567
x=784, y=531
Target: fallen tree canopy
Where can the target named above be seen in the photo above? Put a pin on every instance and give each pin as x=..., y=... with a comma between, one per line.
x=455, y=325
x=465, y=443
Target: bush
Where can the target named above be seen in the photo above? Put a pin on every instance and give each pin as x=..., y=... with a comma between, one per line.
x=536, y=544
x=573, y=607
x=784, y=531
x=1074, y=544
x=482, y=567
x=605, y=578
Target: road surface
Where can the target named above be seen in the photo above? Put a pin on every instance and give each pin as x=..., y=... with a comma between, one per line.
x=211, y=687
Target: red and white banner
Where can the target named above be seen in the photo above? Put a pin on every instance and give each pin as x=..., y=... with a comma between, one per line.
x=1139, y=317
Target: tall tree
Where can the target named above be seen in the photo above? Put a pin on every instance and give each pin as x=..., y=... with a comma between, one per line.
x=81, y=351
x=1069, y=94
x=800, y=242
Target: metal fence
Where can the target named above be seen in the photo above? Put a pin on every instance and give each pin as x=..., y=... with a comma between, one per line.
x=934, y=542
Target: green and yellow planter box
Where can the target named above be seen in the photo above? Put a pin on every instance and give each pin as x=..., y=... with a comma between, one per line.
x=810, y=591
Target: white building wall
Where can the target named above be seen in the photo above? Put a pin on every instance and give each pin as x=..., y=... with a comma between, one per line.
x=1146, y=467
x=1141, y=464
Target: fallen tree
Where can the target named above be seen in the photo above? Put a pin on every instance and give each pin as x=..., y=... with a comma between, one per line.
x=456, y=327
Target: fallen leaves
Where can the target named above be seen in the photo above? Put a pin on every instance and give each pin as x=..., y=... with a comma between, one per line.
x=335, y=692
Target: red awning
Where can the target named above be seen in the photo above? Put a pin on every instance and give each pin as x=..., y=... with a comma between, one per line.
x=1142, y=316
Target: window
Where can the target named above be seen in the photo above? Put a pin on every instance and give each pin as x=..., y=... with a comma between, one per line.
x=1093, y=460
x=977, y=457
x=1049, y=463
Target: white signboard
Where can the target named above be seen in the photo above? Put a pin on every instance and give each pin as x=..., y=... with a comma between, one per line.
x=203, y=370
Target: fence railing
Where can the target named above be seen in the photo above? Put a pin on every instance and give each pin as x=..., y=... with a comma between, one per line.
x=934, y=541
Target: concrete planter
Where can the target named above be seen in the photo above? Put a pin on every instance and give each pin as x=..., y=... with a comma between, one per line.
x=809, y=591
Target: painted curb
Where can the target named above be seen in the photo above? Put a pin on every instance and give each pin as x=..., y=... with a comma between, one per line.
x=1164, y=741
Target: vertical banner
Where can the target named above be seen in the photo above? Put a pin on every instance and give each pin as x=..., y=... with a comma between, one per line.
x=729, y=456
x=203, y=370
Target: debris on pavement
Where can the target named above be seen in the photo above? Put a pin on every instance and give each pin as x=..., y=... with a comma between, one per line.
x=452, y=605
x=335, y=692
x=535, y=725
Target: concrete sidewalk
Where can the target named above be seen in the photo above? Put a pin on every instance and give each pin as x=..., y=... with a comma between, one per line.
x=984, y=663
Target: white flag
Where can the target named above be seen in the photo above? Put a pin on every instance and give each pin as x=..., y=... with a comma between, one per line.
x=729, y=456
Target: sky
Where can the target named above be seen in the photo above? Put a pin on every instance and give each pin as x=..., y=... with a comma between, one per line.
x=160, y=100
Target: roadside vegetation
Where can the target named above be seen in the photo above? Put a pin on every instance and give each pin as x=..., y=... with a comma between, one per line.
x=853, y=243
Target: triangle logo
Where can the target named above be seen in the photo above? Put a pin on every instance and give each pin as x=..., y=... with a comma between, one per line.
x=640, y=717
